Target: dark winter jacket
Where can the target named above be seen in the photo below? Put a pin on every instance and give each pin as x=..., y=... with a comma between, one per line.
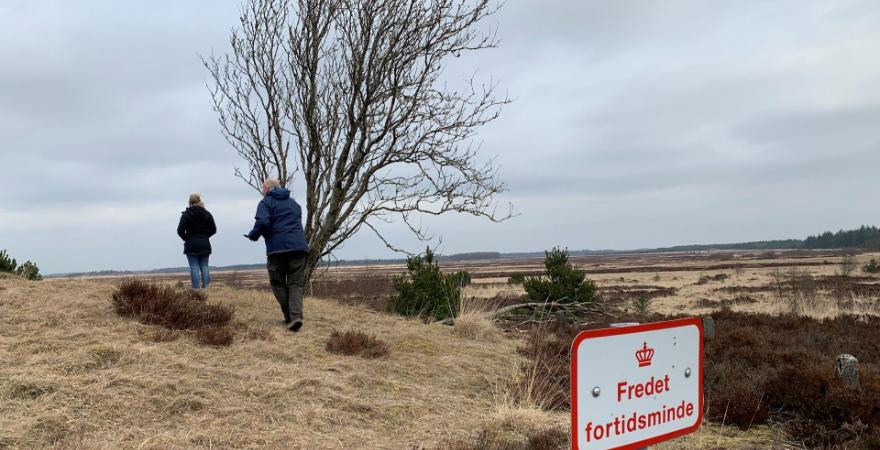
x=195, y=228
x=279, y=221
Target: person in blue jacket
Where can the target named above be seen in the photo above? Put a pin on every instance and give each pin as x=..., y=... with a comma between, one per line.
x=279, y=222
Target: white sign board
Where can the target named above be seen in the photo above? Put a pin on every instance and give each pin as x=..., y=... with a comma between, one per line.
x=637, y=385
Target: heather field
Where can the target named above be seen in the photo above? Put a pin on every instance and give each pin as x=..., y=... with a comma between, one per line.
x=78, y=373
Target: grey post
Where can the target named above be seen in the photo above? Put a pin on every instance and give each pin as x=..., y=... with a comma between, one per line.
x=847, y=369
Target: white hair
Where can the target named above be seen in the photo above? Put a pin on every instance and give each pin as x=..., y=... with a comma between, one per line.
x=272, y=183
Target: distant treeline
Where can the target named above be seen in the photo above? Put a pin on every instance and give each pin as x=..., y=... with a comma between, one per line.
x=867, y=237
x=864, y=237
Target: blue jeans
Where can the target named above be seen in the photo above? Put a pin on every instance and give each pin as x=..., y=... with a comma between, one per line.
x=198, y=271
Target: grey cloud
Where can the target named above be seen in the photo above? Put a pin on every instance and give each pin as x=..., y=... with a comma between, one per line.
x=635, y=124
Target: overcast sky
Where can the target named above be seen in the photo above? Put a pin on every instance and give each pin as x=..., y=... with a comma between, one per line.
x=634, y=124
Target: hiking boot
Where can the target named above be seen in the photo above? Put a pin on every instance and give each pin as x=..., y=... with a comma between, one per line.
x=295, y=325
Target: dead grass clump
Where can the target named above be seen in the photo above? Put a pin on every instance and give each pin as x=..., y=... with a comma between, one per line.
x=171, y=308
x=705, y=279
x=625, y=294
x=163, y=335
x=726, y=302
x=25, y=390
x=544, y=378
x=216, y=336
x=356, y=343
x=474, y=320
x=372, y=291
x=253, y=332
x=548, y=439
x=475, y=325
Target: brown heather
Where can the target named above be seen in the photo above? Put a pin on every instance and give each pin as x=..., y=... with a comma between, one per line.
x=356, y=343
x=175, y=309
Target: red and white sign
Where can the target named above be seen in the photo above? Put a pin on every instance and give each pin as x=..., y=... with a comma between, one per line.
x=636, y=385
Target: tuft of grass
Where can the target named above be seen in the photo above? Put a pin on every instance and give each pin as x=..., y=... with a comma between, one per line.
x=25, y=390
x=356, y=343
x=475, y=326
x=163, y=335
x=543, y=382
x=216, y=336
x=473, y=321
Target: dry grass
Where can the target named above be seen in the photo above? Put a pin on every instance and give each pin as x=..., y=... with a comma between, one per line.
x=218, y=336
x=75, y=375
x=474, y=320
x=436, y=389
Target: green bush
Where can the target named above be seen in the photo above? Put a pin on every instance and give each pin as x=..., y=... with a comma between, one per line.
x=426, y=291
x=516, y=278
x=561, y=282
x=872, y=267
x=27, y=270
x=7, y=264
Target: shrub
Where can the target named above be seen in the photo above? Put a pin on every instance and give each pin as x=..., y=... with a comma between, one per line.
x=642, y=305
x=763, y=367
x=28, y=270
x=848, y=264
x=425, y=290
x=871, y=267
x=516, y=278
x=561, y=282
x=356, y=343
x=7, y=264
x=173, y=309
x=461, y=278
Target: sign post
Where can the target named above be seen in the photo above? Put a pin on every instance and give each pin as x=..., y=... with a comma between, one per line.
x=636, y=385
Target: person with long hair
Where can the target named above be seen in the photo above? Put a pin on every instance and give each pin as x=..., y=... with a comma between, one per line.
x=196, y=228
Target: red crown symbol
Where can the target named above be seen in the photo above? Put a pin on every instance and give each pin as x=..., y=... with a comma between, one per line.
x=645, y=355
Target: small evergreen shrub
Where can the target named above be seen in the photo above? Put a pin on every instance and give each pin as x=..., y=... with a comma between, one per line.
x=561, y=282
x=28, y=270
x=516, y=278
x=7, y=264
x=426, y=291
x=461, y=278
x=641, y=305
x=871, y=267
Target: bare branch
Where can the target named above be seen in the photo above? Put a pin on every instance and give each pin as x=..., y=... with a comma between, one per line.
x=356, y=89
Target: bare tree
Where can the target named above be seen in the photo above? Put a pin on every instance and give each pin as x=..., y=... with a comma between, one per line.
x=848, y=264
x=349, y=94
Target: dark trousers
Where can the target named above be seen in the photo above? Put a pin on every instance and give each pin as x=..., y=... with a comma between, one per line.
x=286, y=275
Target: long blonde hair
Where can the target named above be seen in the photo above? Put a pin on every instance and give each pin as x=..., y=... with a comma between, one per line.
x=195, y=199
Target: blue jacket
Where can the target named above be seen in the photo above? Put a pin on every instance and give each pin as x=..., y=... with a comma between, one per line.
x=279, y=221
